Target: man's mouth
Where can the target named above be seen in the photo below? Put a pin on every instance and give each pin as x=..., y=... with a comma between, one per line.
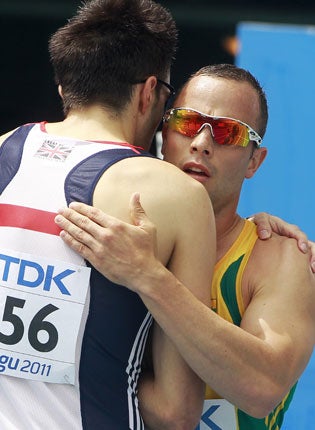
x=196, y=171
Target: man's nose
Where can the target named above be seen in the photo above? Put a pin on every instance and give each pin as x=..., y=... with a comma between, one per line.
x=203, y=142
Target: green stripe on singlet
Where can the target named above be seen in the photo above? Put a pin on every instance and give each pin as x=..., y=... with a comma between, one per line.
x=272, y=422
x=276, y=418
x=245, y=422
x=228, y=290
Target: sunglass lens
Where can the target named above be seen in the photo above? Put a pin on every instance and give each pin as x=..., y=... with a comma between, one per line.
x=186, y=122
x=229, y=132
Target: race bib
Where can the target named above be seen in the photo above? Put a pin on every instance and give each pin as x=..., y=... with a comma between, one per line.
x=217, y=414
x=41, y=307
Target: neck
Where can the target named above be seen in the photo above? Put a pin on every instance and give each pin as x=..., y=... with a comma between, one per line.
x=228, y=227
x=95, y=123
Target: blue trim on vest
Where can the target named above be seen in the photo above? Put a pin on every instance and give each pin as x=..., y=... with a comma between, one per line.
x=11, y=152
x=83, y=178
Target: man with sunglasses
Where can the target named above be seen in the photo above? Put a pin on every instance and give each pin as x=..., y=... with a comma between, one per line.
x=71, y=342
x=255, y=341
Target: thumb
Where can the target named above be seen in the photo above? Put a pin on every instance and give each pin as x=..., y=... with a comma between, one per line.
x=137, y=213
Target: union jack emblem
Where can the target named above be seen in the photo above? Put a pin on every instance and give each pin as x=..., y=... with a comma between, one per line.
x=53, y=151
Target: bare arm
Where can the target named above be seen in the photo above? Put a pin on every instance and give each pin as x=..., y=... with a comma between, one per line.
x=166, y=360
x=232, y=360
x=174, y=384
x=253, y=366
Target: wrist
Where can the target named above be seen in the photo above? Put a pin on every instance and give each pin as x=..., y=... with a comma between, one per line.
x=149, y=281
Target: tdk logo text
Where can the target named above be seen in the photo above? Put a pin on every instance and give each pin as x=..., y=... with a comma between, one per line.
x=31, y=274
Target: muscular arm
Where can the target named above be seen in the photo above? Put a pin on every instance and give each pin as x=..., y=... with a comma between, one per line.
x=247, y=365
x=187, y=266
x=253, y=366
x=172, y=396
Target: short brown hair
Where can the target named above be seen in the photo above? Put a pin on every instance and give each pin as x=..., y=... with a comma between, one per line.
x=232, y=72
x=109, y=45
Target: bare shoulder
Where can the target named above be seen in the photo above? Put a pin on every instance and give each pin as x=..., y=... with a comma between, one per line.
x=157, y=181
x=278, y=283
x=279, y=262
x=279, y=249
x=178, y=206
x=6, y=135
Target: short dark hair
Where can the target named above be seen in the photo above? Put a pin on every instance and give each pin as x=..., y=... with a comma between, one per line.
x=232, y=72
x=109, y=45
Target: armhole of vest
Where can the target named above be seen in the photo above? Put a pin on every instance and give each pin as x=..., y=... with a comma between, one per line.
x=11, y=152
x=253, y=238
x=90, y=170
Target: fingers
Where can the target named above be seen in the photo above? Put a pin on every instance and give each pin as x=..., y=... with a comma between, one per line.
x=302, y=241
x=88, y=213
x=84, y=217
x=292, y=231
x=94, y=234
x=86, y=236
x=73, y=223
x=85, y=226
x=76, y=231
x=76, y=245
x=266, y=224
x=263, y=225
x=312, y=249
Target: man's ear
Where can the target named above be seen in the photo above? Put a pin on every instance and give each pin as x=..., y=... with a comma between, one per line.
x=147, y=94
x=255, y=161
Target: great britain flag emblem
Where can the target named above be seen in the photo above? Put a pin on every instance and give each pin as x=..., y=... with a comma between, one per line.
x=54, y=151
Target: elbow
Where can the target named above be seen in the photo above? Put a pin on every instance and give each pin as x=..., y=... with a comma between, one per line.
x=259, y=409
x=261, y=401
x=180, y=419
x=171, y=418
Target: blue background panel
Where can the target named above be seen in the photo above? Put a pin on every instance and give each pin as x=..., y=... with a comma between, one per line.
x=282, y=58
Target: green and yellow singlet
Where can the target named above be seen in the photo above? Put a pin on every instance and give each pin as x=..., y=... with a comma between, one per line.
x=227, y=301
